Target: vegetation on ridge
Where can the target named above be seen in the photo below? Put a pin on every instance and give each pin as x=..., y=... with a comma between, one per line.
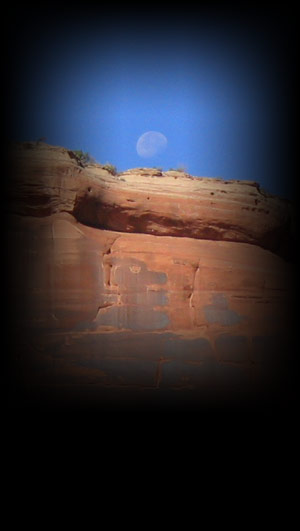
x=110, y=168
x=179, y=169
x=84, y=158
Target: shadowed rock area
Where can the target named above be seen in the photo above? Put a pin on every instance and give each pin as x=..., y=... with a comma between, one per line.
x=146, y=289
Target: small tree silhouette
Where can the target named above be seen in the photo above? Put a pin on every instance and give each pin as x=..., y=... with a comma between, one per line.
x=110, y=168
x=83, y=158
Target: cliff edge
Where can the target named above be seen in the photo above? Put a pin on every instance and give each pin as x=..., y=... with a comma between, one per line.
x=144, y=283
x=47, y=180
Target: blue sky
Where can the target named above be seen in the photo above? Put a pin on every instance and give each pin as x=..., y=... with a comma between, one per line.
x=213, y=86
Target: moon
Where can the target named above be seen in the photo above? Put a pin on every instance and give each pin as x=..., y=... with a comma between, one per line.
x=150, y=144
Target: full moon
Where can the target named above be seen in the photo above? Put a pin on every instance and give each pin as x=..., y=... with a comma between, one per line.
x=150, y=144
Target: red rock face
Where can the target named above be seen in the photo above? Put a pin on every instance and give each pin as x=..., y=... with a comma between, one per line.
x=135, y=292
x=47, y=180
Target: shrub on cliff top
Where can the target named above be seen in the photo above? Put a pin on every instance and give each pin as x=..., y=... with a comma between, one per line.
x=110, y=168
x=83, y=158
x=179, y=169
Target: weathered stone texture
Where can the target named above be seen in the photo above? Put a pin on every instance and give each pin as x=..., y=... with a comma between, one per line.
x=181, y=309
x=47, y=180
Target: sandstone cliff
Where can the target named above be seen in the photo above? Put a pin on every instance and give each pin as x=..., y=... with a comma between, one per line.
x=48, y=180
x=146, y=280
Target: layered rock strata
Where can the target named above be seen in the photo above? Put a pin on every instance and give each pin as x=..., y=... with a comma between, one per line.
x=146, y=281
x=48, y=180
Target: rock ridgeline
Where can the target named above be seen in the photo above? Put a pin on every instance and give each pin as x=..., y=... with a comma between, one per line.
x=146, y=281
x=48, y=180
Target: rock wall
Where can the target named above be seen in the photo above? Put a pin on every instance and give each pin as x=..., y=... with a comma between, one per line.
x=145, y=290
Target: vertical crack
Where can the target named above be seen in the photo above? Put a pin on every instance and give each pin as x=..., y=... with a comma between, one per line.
x=191, y=297
x=107, y=264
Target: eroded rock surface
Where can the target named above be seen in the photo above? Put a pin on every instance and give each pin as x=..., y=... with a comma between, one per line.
x=47, y=180
x=132, y=282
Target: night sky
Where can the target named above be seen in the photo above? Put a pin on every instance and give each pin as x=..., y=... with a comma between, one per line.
x=218, y=84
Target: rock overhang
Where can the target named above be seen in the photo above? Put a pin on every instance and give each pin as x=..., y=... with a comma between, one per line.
x=47, y=180
x=152, y=282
